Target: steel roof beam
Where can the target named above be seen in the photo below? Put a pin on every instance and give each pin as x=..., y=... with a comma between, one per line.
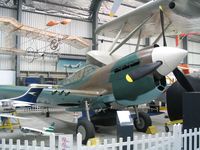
x=95, y=6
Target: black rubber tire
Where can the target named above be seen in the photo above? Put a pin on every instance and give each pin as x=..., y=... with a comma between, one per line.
x=145, y=122
x=166, y=128
x=88, y=128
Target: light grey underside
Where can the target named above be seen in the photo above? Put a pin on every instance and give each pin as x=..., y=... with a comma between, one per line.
x=184, y=18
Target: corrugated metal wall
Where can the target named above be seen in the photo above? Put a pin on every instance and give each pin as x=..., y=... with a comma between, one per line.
x=194, y=54
x=40, y=64
x=78, y=28
x=6, y=62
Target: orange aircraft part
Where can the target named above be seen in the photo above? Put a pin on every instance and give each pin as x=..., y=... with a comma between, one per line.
x=189, y=34
x=52, y=23
x=177, y=40
x=185, y=68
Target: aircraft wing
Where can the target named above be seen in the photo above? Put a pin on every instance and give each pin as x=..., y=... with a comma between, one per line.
x=34, y=131
x=13, y=26
x=31, y=130
x=152, y=27
x=12, y=116
x=14, y=103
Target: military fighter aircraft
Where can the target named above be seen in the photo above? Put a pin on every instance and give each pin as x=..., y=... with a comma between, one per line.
x=122, y=81
x=130, y=81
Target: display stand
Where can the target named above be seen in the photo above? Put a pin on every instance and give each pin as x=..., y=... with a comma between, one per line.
x=9, y=123
x=191, y=113
x=124, y=126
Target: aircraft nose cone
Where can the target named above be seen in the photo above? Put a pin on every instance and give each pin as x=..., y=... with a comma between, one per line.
x=170, y=56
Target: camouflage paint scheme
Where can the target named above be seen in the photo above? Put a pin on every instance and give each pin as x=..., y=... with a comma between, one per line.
x=110, y=79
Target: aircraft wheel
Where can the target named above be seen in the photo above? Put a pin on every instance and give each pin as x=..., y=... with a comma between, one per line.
x=166, y=128
x=145, y=122
x=87, y=130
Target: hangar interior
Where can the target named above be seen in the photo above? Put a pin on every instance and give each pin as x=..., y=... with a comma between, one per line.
x=30, y=59
x=85, y=20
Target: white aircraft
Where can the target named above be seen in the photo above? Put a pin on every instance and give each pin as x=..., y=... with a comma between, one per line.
x=25, y=100
x=45, y=131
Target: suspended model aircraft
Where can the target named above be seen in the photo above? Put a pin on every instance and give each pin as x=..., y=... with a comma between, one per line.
x=122, y=81
x=12, y=26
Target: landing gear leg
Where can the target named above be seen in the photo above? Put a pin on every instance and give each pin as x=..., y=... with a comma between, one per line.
x=142, y=121
x=87, y=111
x=85, y=126
x=47, y=113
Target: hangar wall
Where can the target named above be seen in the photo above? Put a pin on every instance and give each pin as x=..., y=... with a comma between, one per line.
x=76, y=27
x=194, y=54
x=6, y=62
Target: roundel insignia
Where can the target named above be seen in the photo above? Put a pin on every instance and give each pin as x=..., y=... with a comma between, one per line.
x=128, y=78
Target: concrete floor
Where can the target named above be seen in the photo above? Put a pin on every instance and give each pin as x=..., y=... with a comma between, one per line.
x=64, y=124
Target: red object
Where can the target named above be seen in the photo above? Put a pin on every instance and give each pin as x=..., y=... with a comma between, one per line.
x=185, y=68
x=184, y=35
x=177, y=40
x=52, y=23
x=190, y=34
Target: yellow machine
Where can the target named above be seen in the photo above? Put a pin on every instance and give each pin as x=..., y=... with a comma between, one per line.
x=172, y=123
x=8, y=122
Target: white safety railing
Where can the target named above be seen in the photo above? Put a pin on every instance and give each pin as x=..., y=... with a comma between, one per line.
x=26, y=145
x=65, y=142
x=163, y=141
x=40, y=109
x=178, y=140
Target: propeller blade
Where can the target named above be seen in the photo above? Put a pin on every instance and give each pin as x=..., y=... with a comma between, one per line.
x=182, y=80
x=142, y=71
x=115, y=7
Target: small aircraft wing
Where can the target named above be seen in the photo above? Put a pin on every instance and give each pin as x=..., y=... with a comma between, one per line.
x=12, y=116
x=13, y=26
x=149, y=11
x=14, y=103
x=31, y=130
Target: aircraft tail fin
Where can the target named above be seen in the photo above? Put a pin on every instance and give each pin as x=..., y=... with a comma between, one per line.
x=51, y=128
x=30, y=96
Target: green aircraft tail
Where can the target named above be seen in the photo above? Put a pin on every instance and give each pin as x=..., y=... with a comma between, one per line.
x=51, y=128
